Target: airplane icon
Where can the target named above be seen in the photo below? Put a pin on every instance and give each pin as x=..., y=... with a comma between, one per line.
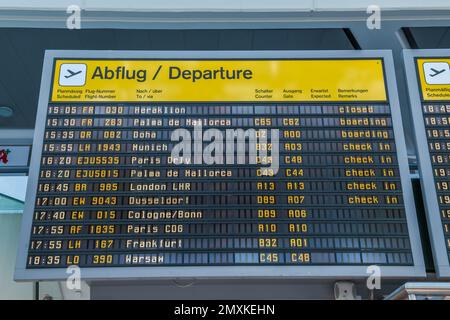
x=72, y=73
x=436, y=72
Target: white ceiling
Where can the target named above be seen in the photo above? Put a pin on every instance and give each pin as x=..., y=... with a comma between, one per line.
x=225, y=5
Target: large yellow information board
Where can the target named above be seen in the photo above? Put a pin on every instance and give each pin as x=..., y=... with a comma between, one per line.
x=219, y=80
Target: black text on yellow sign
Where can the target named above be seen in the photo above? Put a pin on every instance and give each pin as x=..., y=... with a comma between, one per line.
x=219, y=80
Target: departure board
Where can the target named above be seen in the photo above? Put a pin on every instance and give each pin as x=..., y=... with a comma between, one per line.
x=150, y=164
x=429, y=90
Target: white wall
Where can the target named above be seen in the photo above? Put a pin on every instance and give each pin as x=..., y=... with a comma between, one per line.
x=9, y=236
x=9, y=289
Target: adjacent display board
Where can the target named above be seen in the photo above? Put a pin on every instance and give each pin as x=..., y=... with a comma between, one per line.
x=428, y=75
x=318, y=185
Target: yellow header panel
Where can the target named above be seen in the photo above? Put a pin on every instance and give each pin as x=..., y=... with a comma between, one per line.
x=218, y=80
x=434, y=75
